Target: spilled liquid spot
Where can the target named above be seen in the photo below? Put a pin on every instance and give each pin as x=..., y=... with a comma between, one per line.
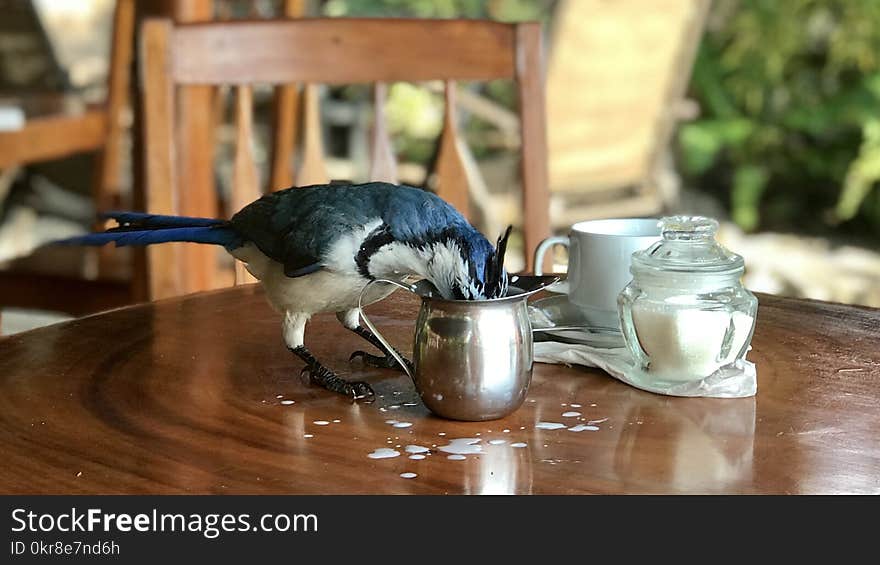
x=321, y=422
x=456, y=457
x=497, y=441
x=583, y=427
x=287, y=402
x=383, y=453
x=408, y=475
x=402, y=424
x=416, y=449
x=519, y=444
x=571, y=414
x=549, y=425
x=417, y=456
x=462, y=446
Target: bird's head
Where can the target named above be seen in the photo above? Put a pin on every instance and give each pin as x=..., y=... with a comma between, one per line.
x=469, y=268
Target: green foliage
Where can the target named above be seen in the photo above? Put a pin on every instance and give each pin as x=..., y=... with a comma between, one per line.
x=790, y=112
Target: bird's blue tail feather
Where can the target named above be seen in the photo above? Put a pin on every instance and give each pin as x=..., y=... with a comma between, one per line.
x=138, y=229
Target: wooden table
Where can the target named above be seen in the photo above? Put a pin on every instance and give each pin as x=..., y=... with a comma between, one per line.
x=185, y=396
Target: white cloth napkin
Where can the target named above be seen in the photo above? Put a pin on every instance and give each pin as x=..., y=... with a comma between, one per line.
x=738, y=381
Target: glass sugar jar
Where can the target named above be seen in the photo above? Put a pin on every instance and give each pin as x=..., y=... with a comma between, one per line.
x=686, y=315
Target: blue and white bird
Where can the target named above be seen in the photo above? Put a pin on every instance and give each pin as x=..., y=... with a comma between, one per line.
x=315, y=248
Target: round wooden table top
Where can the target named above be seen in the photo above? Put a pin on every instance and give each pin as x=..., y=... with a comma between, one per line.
x=193, y=395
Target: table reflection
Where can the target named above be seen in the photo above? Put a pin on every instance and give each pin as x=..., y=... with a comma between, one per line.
x=706, y=445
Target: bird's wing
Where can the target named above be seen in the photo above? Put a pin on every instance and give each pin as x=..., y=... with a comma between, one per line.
x=297, y=226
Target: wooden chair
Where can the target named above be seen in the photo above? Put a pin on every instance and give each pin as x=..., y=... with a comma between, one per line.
x=36, y=283
x=328, y=51
x=616, y=78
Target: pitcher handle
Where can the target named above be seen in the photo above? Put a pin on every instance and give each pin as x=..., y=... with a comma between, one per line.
x=400, y=360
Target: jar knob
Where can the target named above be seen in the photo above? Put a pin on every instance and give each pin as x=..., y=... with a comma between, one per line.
x=688, y=228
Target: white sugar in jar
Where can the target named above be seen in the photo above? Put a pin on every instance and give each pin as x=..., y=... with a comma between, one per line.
x=685, y=314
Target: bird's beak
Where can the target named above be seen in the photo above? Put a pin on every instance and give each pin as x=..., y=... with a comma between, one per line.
x=498, y=260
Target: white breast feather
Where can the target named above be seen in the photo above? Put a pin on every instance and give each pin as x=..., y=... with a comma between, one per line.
x=340, y=256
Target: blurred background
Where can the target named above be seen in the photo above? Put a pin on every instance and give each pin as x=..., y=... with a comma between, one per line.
x=762, y=114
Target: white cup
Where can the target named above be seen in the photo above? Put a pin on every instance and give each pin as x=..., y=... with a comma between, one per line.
x=599, y=254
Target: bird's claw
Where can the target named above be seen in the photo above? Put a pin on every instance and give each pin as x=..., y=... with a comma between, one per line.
x=359, y=390
x=386, y=362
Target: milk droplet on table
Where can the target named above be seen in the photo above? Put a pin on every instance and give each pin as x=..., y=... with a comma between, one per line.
x=571, y=414
x=462, y=446
x=287, y=402
x=383, y=453
x=321, y=422
x=408, y=475
x=416, y=456
x=583, y=427
x=456, y=457
x=402, y=424
x=549, y=425
x=497, y=441
x=519, y=444
x=416, y=449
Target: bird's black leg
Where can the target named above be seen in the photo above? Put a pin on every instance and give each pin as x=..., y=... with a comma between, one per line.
x=321, y=375
x=386, y=362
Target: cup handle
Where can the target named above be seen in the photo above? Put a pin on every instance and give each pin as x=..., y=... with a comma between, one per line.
x=561, y=286
x=400, y=360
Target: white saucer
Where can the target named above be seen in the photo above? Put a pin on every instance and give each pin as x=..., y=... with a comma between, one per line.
x=557, y=311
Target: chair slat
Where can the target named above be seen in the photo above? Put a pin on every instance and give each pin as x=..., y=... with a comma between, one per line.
x=312, y=170
x=107, y=186
x=286, y=113
x=383, y=165
x=245, y=184
x=451, y=179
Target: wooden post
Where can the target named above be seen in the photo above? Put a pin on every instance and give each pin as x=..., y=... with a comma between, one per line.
x=166, y=276
x=197, y=195
x=536, y=193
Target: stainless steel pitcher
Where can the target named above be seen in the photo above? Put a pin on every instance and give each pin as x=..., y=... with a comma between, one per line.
x=472, y=359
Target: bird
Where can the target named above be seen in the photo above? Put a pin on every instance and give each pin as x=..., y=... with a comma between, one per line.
x=315, y=248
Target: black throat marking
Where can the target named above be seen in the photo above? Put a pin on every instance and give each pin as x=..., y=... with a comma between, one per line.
x=378, y=238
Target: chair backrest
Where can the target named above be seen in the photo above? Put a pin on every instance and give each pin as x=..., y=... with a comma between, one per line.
x=330, y=51
x=615, y=75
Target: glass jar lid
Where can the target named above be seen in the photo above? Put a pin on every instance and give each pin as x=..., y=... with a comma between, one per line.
x=688, y=245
